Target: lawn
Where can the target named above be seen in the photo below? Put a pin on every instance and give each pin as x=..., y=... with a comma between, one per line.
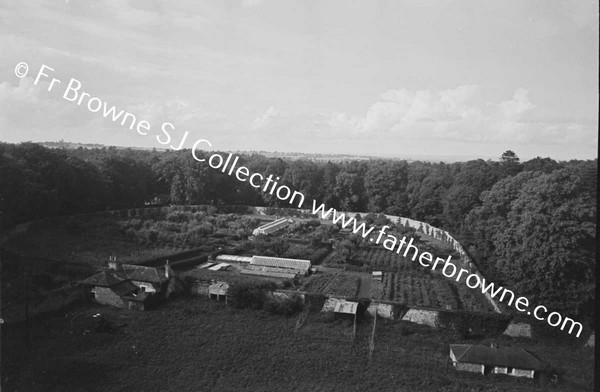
x=193, y=344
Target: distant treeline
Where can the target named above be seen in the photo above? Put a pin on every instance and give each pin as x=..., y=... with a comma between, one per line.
x=530, y=225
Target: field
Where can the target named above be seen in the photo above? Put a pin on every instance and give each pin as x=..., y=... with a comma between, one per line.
x=197, y=345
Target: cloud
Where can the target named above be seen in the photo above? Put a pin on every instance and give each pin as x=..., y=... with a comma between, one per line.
x=516, y=107
x=265, y=119
x=456, y=114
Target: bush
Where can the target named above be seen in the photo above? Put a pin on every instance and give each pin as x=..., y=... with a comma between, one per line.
x=248, y=294
x=315, y=301
x=286, y=306
x=473, y=323
x=318, y=255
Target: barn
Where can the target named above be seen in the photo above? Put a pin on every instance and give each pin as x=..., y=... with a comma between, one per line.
x=515, y=362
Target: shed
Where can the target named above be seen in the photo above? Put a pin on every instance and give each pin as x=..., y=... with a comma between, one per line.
x=516, y=362
x=346, y=307
x=218, y=291
x=377, y=275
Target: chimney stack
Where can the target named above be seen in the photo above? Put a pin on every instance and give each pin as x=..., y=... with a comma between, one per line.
x=112, y=263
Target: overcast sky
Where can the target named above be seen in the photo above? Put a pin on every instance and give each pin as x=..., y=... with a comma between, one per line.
x=363, y=77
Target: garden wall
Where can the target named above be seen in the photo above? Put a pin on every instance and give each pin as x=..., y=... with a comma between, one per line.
x=422, y=316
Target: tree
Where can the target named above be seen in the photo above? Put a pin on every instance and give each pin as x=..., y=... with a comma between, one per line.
x=509, y=162
x=536, y=233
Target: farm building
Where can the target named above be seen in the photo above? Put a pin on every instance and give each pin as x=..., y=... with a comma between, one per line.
x=127, y=286
x=277, y=267
x=272, y=227
x=500, y=360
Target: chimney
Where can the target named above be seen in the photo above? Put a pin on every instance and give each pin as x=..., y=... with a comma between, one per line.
x=112, y=263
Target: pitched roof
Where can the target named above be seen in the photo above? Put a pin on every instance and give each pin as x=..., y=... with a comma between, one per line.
x=346, y=307
x=124, y=288
x=501, y=356
x=143, y=274
x=219, y=288
x=281, y=262
x=107, y=278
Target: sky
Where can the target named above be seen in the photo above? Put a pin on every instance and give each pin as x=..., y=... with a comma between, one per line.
x=384, y=78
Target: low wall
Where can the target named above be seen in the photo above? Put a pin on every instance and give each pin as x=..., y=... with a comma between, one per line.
x=422, y=316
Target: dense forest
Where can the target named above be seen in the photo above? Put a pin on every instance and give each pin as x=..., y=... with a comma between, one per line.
x=530, y=225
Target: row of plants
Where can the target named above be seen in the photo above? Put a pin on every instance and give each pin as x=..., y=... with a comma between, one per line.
x=425, y=290
x=317, y=284
x=344, y=285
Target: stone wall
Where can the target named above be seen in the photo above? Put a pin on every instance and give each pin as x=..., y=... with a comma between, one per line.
x=200, y=288
x=422, y=316
x=384, y=310
x=104, y=295
x=469, y=367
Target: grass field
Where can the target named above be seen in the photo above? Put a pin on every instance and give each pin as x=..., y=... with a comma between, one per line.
x=193, y=344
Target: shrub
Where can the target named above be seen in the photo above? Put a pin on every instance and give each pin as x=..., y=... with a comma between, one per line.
x=318, y=255
x=474, y=323
x=315, y=301
x=286, y=306
x=249, y=294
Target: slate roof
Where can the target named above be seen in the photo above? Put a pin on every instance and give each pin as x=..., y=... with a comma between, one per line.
x=501, y=356
x=143, y=274
x=110, y=278
x=107, y=278
x=123, y=288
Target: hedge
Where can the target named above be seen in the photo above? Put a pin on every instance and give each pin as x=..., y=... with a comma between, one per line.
x=474, y=323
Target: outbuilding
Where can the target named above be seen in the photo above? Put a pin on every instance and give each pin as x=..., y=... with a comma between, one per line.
x=486, y=360
x=218, y=291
